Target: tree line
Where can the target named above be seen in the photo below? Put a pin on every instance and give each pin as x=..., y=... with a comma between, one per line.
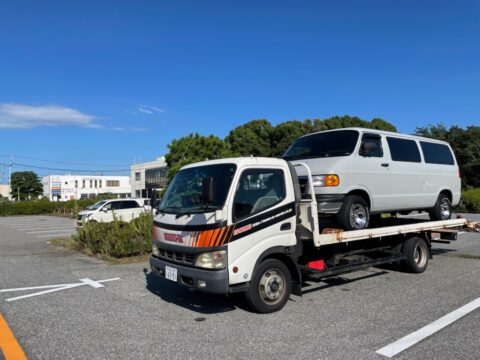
x=257, y=138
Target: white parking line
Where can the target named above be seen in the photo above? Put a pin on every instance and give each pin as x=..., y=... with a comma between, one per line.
x=50, y=230
x=52, y=235
x=47, y=228
x=417, y=336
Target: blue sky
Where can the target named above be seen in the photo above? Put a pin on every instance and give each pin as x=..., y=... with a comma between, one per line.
x=110, y=82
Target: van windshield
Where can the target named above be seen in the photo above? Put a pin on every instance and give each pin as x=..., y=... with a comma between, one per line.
x=97, y=205
x=184, y=194
x=324, y=144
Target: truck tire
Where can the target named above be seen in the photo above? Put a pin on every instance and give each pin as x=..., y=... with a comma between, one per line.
x=442, y=209
x=354, y=213
x=417, y=254
x=270, y=287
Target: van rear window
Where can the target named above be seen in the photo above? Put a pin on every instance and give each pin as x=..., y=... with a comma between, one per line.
x=403, y=150
x=437, y=153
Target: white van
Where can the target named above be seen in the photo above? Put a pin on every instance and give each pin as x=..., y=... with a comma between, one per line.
x=106, y=210
x=358, y=172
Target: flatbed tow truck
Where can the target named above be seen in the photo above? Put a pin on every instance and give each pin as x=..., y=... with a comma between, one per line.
x=242, y=225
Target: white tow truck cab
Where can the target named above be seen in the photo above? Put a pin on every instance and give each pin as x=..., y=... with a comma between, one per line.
x=241, y=225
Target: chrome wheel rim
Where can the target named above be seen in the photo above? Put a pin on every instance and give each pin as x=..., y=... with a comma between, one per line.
x=445, y=209
x=420, y=256
x=358, y=216
x=272, y=286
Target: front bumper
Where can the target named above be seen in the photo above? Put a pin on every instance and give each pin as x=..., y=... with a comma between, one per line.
x=215, y=281
x=329, y=203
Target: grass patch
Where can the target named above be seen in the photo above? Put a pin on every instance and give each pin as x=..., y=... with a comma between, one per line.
x=468, y=256
x=470, y=201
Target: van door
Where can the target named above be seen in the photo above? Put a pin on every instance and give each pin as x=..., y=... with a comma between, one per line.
x=372, y=173
x=406, y=174
x=105, y=213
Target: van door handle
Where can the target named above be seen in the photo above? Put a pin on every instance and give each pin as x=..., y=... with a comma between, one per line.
x=385, y=164
x=285, y=226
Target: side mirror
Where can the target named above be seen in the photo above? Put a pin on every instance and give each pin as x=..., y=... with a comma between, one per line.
x=368, y=149
x=104, y=209
x=207, y=190
x=153, y=199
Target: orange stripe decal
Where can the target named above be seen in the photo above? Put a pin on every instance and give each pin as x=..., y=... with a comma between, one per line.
x=8, y=344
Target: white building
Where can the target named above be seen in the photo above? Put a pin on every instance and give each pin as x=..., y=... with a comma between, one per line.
x=5, y=191
x=148, y=176
x=74, y=187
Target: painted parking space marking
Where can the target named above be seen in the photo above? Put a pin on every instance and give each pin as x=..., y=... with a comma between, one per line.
x=53, y=235
x=421, y=334
x=8, y=343
x=54, y=288
x=47, y=227
x=49, y=230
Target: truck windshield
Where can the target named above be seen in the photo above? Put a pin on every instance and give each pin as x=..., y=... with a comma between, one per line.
x=184, y=194
x=324, y=144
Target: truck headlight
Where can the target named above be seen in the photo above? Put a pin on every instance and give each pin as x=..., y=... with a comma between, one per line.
x=325, y=180
x=212, y=260
x=155, y=251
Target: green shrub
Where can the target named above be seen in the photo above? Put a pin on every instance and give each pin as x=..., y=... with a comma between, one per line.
x=38, y=207
x=116, y=239
x=470, y=201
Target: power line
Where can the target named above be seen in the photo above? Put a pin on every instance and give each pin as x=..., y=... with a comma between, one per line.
x=62, y=162
x=67, y=170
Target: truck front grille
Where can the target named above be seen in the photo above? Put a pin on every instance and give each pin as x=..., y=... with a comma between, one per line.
x=177, y=257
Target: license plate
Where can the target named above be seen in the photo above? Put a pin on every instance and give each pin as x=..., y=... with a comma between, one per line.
x=170, y=273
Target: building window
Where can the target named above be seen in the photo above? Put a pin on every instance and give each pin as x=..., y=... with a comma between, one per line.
x=76, y=183
x=137, y=176
x=66, y=182
x=113, y=183
x=156, y=178
x=83, y=184
x=96, y=184
x=137, y=193
x=100, y=183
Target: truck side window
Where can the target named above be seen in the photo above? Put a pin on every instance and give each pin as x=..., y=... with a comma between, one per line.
x=371, y=146
x=257, y=190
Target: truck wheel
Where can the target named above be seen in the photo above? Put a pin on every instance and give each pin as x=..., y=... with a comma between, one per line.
x=270, y=287
x=354, y=213
x=416, y=251
x=442, y=209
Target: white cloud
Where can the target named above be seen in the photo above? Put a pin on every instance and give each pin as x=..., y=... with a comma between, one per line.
x=146, y=109
x=19, y=116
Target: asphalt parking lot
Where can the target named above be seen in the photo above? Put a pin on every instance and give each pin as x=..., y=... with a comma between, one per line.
x=63, y=305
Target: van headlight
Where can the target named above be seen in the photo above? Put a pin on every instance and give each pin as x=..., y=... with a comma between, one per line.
x=212, y=260
x=325, y=180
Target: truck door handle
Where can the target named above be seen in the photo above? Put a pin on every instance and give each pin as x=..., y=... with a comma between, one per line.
x=385, y=164
x=285, y=226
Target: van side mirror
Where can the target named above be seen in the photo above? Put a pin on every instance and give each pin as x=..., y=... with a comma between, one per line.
x=368, y=148
x=207, y=190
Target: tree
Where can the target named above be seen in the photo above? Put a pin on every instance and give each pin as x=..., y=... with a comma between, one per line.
x=285, y=133
x=194, y=148
x=338, y=122
x=26, y=184
x=252, y=138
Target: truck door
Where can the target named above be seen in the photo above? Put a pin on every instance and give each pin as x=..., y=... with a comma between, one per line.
x=263, y=213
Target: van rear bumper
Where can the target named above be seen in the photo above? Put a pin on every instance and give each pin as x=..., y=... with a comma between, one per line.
x=329, y=203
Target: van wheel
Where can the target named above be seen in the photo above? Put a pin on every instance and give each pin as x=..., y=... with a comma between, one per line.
x=416, y=251
x=442, y=209
x=354, y=213
x=270, y=288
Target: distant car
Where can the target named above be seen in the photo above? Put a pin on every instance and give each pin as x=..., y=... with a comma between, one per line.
x=107, y=210
x=358, y=172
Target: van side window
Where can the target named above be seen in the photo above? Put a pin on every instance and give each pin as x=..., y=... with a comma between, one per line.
x=403, y=150
x=371, y=146
x=436, y=153
x=258, y=189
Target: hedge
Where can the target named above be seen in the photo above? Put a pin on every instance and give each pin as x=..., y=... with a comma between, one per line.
x=470, y=201
x=116, y=239
x=38, y=207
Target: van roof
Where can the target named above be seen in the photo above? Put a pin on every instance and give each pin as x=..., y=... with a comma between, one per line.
x=382, y=132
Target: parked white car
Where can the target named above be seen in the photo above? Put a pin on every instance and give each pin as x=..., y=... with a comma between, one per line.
x=106, y=210
x=358, y=172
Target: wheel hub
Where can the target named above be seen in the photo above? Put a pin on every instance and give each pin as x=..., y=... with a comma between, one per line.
x=358, y=216
x=272, y=286
x=445, y=209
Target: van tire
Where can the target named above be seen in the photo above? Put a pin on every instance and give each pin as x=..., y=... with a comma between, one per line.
x=354, y=213
x=442, y=209
x=417, y=254
x=270, y=287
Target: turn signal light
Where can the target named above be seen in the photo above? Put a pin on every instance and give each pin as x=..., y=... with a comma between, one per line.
x=332, y=180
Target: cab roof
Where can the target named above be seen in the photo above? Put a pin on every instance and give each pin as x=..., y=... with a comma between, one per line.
x=241, y=161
